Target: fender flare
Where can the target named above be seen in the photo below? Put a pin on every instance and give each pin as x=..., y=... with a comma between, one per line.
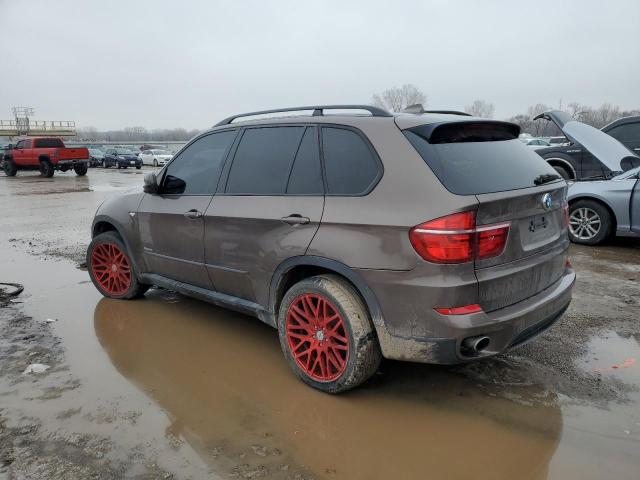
x=340, y=268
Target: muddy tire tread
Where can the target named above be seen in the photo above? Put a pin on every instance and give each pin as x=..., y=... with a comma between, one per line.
x=365, y=355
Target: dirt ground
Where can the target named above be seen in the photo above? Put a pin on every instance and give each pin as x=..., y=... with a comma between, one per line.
x=172, y=388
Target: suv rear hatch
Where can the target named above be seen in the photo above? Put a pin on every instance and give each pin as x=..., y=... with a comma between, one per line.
x=515, y=189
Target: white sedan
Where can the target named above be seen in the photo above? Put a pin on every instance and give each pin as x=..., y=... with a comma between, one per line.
x=154, y=157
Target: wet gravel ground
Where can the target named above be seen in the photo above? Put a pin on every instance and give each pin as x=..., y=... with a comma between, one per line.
x=106, y=408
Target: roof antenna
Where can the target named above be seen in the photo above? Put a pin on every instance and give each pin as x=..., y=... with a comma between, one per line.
x=416, y=108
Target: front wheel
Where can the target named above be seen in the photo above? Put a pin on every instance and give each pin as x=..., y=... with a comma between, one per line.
x=590, y=223
x=326, y=334
x=80, y=169
x=138, y=167
x=155, y=162
x=10, y=168
x=111, y=269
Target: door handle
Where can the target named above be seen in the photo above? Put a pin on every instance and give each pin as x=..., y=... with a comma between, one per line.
x=193, y=213
x=296, y=219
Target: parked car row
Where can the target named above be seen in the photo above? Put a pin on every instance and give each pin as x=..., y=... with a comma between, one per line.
x=120, y=156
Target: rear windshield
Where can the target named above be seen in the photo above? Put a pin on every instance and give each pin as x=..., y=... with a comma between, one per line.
x=475, y=164
x=49, y=143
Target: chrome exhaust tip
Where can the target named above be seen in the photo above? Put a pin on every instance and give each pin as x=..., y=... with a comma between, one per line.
x=476, y=344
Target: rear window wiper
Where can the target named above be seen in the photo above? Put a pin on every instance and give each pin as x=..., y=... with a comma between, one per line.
x=545, y=178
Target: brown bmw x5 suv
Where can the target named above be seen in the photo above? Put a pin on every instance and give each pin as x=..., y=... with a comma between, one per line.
x=431, y=236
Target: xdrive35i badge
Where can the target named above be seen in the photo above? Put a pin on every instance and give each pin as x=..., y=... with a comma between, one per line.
x=547, y=201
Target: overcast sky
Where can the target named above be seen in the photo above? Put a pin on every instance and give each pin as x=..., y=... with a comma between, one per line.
x=163, y=64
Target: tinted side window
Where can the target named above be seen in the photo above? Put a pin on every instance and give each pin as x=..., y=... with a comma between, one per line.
x=626, y=133
x=20, y=144
x=263, y=160
x=49, y=143
x=196, y=170
x=350, y=165
x=306, y=174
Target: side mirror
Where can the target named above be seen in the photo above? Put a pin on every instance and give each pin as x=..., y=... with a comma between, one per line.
x=10, y=146
x=150, y=183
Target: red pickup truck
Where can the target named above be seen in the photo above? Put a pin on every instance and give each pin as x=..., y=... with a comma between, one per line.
x=46, y=154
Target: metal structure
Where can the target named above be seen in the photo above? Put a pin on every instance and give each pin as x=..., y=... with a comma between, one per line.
x=22, y=125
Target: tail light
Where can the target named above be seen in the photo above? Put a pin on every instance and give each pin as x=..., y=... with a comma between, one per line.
x=456, y=239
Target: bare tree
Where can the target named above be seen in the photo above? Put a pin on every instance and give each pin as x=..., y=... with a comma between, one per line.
x=396, y=98
x=480, y=108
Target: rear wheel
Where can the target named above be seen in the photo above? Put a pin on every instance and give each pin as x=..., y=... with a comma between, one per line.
x=46, y=169
x=590, y=223
x=111, y=269
x=326, y=334
x=80, y=169
x=10, y=168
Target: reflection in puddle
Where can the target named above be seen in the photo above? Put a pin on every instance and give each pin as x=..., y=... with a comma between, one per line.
x=225, y=386
x=612, y=354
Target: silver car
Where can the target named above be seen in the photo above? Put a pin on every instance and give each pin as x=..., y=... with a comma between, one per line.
x=599, y=209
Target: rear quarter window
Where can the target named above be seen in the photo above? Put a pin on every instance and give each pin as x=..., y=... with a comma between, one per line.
x=351, y=165
x=476, y=163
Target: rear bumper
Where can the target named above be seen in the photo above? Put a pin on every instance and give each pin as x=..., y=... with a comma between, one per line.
x=71, y=163
x=506, y=328
x=127, y=163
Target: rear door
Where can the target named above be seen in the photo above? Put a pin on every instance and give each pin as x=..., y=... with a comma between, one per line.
x=267, y=209
x=172, y=222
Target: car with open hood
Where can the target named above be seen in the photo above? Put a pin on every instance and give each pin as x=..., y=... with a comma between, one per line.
x=601, y=208
x=592, y=152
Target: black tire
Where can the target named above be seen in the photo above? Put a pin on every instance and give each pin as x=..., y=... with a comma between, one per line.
x=46, y=169
x=155, y=162
x=80, y=169
x=563, y=172
x=119, y=167
x=135, y=289
x=364, y=354
x=104, y=164
x=589, y=213
x=138, y=167
x=10, y=168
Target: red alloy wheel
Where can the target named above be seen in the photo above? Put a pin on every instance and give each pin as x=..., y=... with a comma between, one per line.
x=317, y=337
x=111, y=269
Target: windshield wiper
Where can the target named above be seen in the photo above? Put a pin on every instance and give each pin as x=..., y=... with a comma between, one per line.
x=545, y=178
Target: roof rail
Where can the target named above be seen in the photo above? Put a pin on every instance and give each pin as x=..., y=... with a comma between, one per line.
x=318, y=110
x=418, y=109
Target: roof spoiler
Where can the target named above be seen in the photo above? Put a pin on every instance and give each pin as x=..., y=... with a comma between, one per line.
x=318, y=111
x=418, y=109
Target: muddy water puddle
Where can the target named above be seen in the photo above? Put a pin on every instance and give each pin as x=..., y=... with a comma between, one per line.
x=211, y=390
